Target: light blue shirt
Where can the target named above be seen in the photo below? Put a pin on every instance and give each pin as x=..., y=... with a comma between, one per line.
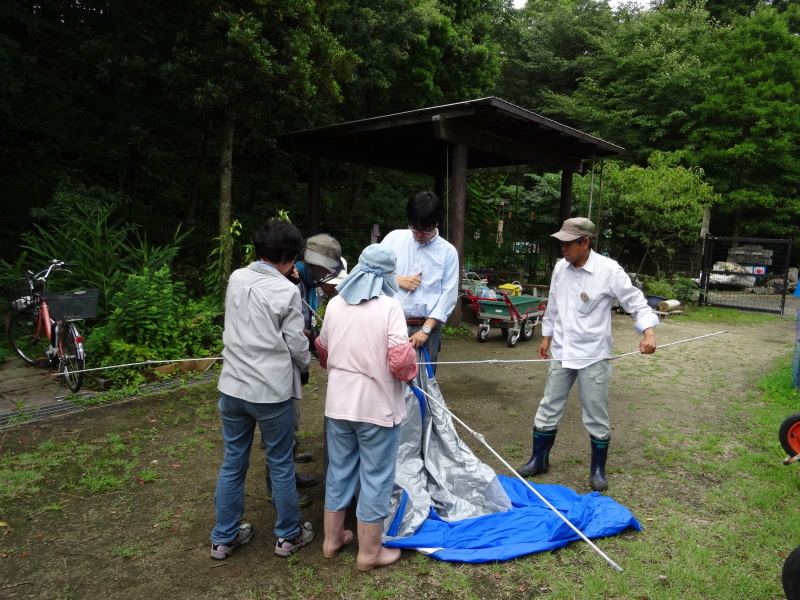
x=437, y=259
x=578, y=315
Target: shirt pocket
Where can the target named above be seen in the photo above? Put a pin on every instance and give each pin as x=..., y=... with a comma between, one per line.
x=586, y=307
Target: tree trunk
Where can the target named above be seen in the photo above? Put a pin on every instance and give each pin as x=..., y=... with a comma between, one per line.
x=737, y=221
x=225, y=183
x=199, y=172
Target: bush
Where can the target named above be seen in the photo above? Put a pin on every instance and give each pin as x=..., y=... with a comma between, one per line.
x=152, y=319
x=676, y=287
x=83, y=225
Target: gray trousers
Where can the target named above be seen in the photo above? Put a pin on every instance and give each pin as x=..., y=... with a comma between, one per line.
x=593, y=389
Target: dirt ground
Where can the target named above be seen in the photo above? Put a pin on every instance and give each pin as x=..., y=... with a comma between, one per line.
x=78, y=551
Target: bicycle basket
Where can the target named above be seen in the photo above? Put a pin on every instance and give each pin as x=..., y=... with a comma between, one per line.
x=71, y=306
x=21, y=294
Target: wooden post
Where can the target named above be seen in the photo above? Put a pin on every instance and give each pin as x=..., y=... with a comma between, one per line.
x=315, y=165
x=566, y=197
x=457, y=215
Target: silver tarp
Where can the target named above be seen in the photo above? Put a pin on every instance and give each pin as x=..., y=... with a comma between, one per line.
x=436, y=469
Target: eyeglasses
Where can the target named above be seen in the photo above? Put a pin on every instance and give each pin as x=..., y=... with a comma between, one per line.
x=420, y=231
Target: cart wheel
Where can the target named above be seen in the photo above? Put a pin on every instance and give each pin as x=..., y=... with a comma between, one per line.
x=528, y=327
x=504, y=331
x=512, y=338
x=791, y=575
x=483, y=334
x=789, y=434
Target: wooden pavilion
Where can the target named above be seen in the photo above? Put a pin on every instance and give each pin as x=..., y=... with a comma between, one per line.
x=446, y=141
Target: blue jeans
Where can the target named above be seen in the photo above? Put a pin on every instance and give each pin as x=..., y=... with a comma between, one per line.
x=276, y=421
x=360, y=453
x=593, y=390
x=433, y=345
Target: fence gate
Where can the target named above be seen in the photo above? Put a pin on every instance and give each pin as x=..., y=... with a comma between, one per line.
x=745, y=273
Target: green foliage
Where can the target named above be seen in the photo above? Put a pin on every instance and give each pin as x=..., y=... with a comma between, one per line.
x=658, y=286
x=639, y=76
x=656, y=209
x=685, y=289
x=415, y=53
x=676, y=287
x=215, y=279
x=456, y=332
x=530, y=208
x=82, y=226
x=727, y=316
x=545, y=46
x=745, y=128
x=152, y=319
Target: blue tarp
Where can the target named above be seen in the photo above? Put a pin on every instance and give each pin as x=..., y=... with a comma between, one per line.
x=530, y=526
x=449, y=505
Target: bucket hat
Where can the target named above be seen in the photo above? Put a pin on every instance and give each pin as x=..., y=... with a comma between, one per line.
x=371, y=277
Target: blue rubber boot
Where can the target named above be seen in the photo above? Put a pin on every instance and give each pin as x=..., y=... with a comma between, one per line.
x=540, y=459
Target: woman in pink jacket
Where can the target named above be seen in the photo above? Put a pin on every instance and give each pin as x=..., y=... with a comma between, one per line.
x=364, y=345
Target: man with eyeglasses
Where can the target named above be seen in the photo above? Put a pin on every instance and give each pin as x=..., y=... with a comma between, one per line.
x=577, y=328
x=427, y=272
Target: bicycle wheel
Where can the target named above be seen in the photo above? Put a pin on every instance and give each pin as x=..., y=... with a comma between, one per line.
x=71, y=357
x=22, y=335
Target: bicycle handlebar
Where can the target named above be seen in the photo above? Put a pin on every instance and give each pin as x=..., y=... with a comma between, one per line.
x=58, y=265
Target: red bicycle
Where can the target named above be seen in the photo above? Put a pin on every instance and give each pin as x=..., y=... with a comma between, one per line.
x=43, y=326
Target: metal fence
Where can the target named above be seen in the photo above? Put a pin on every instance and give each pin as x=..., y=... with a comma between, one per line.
x=746, y=273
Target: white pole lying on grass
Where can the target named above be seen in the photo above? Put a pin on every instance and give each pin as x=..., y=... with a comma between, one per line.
x=481, y=439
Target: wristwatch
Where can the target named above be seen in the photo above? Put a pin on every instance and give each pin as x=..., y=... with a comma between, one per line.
x=426, y=330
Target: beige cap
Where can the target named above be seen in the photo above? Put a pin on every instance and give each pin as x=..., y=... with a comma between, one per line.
x=575, y=228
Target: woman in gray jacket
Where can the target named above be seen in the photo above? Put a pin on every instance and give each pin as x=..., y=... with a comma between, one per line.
x=265, y=352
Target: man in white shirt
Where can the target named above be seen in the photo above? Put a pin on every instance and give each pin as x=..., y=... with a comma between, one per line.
x=427, y=272
x=577, y=328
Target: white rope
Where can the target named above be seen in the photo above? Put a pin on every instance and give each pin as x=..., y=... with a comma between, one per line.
x=481, y=439
x=494, y=361
x=147, y=362
x=457, y=362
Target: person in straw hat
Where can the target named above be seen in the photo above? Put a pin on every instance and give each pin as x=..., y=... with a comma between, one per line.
x=364, y=346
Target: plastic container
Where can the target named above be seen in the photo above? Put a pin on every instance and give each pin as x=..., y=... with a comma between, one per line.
x=486, y=292
x=512, y=289
x=472, y=282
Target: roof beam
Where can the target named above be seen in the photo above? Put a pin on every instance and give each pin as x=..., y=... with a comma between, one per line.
x=446, y=129
x=373, y=159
